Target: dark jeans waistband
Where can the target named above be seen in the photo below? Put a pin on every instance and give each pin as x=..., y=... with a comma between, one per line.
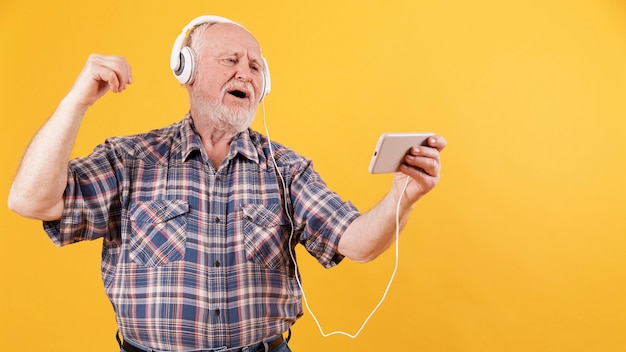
x=264, y=346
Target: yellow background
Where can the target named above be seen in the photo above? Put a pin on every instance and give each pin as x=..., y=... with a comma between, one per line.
x=522, y=245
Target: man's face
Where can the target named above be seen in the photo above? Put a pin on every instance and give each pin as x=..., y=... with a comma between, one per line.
x=229, y=80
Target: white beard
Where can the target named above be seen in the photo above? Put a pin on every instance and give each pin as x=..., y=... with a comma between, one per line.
x=230, y=120
x=226, y=119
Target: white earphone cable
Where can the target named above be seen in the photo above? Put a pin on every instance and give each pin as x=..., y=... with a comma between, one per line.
x=304, y=297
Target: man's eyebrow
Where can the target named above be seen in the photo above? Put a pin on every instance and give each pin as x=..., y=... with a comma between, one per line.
x=239, y=54
x=256, y=62
x=229, y=53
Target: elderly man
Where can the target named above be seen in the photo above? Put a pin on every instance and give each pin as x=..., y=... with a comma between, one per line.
x=199, y=219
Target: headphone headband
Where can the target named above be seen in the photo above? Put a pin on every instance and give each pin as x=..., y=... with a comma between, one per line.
x=182, y=59
x=178, y=44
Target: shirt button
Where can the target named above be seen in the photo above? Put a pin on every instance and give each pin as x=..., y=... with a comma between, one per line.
x=218, y=179
x=217, y=263
x=217, y=220
x=217, y=312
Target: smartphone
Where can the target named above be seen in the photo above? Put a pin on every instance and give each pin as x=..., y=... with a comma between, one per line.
x=392, y=148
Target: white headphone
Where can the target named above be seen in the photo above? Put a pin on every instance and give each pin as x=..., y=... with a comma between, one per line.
x=182, y=58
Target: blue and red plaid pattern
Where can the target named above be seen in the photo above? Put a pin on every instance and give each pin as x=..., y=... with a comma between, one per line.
x=197, y=257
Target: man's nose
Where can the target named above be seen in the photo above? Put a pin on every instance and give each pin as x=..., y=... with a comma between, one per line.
x=244, y=72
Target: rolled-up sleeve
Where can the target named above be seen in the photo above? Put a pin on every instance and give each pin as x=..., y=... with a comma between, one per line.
x=320, y=215
x=91, y=199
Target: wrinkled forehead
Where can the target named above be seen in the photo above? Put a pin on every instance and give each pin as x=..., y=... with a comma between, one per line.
x=230, y=38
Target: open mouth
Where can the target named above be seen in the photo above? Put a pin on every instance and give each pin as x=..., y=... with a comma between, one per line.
x=238, y=93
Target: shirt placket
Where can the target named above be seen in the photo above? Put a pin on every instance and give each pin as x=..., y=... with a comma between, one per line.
x=216, y=228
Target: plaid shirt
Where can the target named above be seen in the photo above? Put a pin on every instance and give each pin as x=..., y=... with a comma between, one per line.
x=193, y=257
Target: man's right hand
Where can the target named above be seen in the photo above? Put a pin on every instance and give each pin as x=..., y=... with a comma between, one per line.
x=38, y=187
x=100, y=74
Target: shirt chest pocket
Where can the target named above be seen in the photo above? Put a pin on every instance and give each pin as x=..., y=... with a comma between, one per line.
x=158, y=232
x=266, y=235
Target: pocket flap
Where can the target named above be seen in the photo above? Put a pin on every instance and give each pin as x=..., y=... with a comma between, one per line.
x=156, y=211
x=263, y=215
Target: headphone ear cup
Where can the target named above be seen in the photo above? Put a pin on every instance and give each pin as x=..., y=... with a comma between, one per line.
x=267, y=82
x=184, y=73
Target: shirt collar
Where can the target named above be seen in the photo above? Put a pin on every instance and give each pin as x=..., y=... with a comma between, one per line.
x=243, y=144
x=191, y=142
